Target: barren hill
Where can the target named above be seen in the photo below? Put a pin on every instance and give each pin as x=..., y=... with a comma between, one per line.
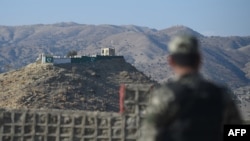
x=88, y=86
x=226, y=59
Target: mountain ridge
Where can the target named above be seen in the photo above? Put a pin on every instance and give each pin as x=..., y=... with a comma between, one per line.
x=225, y=58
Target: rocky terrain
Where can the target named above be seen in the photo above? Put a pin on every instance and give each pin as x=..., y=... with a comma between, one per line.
x=243, y=100
x=88, y=86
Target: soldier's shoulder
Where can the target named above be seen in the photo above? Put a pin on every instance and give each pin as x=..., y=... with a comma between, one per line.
x=170, y=85
x=167, y=92
x=167, y=87
x=221, y=87
x=162, y=93
x=223, y=90
x=162, y=89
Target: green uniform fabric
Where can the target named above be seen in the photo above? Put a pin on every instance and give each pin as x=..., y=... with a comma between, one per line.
x=189, y=109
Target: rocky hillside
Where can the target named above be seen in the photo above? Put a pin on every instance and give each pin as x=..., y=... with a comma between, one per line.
x=243, y=100
x=226, y=59
x=89, y=86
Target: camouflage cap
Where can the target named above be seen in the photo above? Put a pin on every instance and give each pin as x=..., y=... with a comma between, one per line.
x=185, y=44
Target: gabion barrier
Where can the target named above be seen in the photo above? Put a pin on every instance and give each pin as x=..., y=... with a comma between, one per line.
x=134, y=98
x=58, y=125
x=65, y=125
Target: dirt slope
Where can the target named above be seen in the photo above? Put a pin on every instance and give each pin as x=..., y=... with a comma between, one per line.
x=89, y=86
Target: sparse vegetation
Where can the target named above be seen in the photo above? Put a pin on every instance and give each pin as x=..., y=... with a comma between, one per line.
x=224, y=57
x=68, y=86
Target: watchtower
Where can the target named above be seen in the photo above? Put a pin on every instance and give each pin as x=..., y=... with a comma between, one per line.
x=108, y=52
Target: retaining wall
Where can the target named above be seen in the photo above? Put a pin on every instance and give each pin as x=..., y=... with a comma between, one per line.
x=58, y=125
x=62, y=125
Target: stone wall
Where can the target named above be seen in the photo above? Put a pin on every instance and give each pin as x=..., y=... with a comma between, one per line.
x=58, y=125
x=62, y=125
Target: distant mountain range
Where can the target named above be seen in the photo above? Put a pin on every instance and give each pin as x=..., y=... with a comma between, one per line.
x=226, y=59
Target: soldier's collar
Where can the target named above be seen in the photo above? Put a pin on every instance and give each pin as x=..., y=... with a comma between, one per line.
x=188, y=75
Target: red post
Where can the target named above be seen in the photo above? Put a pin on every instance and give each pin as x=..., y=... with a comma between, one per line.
x=122, y=96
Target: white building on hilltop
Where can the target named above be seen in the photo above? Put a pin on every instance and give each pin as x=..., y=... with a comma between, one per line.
x=108, y=52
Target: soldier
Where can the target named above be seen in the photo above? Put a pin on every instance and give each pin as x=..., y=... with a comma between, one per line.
x=189, y=108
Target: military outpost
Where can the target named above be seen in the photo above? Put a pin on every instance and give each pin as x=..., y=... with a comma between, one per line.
x=106, y=53
x=77, y=125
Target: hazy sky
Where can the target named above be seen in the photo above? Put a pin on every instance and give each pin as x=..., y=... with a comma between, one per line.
x=209, y=17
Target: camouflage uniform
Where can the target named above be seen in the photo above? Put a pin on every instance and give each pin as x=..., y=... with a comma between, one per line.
x=189, y=109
